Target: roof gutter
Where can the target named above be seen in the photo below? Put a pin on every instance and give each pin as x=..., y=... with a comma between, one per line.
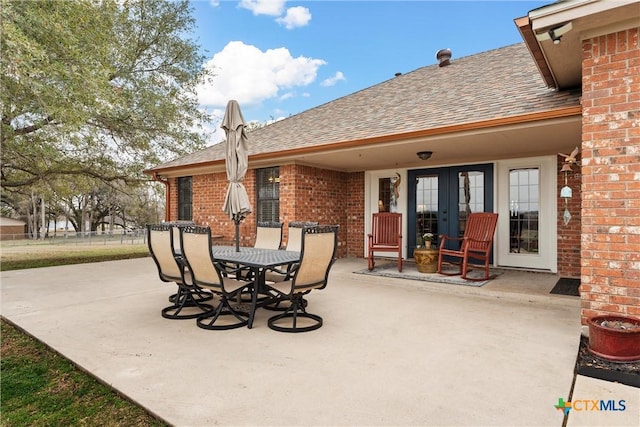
x=568, y=10
x=545, y=16
x=365, y=142
x=529, y=37
x=444, y=130
x=545, y=19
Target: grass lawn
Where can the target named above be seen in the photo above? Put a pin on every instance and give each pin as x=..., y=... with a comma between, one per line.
x=38, y=386
x=17, y=257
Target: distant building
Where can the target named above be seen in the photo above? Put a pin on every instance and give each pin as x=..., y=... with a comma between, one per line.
x=12, y=229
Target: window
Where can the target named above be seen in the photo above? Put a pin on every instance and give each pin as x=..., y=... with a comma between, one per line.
x=268, y=188
x=387, y=200
x=426, y=207
x=524, y=206
x=384, y=194
x=470, y=196
x=185, y=198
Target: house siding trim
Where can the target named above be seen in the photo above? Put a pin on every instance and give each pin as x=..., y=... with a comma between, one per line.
x=280, y=156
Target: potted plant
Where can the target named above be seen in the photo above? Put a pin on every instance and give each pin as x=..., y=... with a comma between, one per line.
x=614, y=337
x=426, y=253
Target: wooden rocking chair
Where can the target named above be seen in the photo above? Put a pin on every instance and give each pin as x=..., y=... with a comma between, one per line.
x=475, y=245
x=386, y=236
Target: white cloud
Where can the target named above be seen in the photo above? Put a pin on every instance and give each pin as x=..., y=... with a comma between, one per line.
x=264, y=7
x=250, y=76
x=212, y=129
x=214, y=3
x=296, y=17
x=331, y=81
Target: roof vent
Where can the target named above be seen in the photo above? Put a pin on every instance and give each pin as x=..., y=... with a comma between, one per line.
x=443, y=56
x=398, y=74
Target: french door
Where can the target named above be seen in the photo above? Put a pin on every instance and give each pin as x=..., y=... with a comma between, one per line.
x=440, y=200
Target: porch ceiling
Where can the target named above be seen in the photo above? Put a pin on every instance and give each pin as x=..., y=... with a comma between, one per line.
x=473, y=146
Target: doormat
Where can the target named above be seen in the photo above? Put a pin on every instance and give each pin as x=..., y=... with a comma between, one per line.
x=410, y=271
x=566, y=286
x=589, y=365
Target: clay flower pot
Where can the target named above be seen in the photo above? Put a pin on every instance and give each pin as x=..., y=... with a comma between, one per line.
x=615, y=338
x=426, y=259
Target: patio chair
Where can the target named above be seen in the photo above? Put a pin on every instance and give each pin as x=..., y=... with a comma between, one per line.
x=187, y=303
x=294, y=243
x=268, y=235
x=385, y=236
x=176, y=234
x=317, y=255
x=177, y=250
x=294, y=240
x=474, y=247
x=220, y=278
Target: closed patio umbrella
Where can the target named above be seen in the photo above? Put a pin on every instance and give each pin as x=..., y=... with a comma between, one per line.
x=236, y=201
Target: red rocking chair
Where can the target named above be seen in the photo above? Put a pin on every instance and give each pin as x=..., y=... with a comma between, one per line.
x=386, y=236
x=475, y=245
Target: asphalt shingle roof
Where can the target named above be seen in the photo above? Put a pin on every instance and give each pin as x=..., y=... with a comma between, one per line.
x=494, y=84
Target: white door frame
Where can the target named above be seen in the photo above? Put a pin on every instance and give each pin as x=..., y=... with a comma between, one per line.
x=547, y=256
x=371, y=182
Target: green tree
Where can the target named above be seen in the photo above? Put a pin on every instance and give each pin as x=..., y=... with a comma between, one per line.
x=95, y=90
x=146, y=205
x=109, y=209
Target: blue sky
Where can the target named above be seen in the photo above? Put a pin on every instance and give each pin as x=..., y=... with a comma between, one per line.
x=278, y=58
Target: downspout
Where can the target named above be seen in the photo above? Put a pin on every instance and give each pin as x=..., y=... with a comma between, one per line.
x=167, y=201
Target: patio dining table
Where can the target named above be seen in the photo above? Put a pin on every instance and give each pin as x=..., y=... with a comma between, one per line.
x=258, y=260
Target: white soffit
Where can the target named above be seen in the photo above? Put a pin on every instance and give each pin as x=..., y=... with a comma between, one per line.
x=613, y=28
x=566, y=11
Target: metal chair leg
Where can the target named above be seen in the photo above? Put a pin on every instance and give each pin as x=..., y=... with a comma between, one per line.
x=295, y=318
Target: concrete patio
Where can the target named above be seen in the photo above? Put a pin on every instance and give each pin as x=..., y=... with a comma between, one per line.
x=391, y=351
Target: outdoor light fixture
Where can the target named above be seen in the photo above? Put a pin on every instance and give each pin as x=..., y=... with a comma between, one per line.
x=424, y=155
x=555, y=34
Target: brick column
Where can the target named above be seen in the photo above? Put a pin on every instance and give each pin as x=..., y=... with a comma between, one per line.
x=317, y=195
x=355, y=215
x=173, y=199
x=569, y=234
x=610, y=247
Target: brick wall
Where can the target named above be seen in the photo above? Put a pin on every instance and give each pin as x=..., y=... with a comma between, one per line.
x=355, y=215
x=208, y=198
x=328, y=197
x=610, y=249
x=172, y=188
x=312, y=194
x=306, y=194
x=569, y=235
